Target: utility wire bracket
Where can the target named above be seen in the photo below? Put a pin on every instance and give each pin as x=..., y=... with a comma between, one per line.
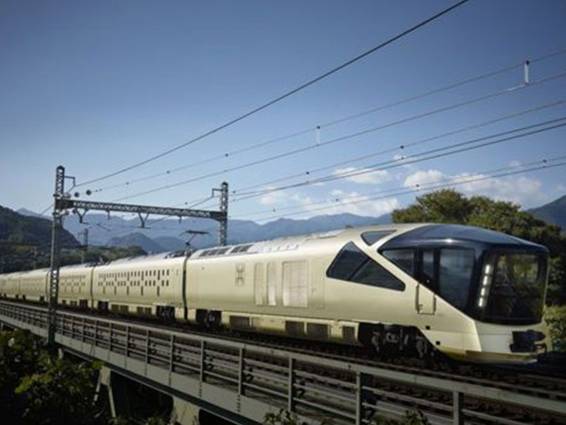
x=143, y=220
x=526, y=76
x=81, y=215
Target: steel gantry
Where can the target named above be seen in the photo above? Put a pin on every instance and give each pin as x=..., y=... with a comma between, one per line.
x=63, y=202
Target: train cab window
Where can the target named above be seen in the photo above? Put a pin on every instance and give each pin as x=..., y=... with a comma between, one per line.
x=372, y=237
x=403, y=258
x=456, y=267
x=427, y=268
x=353, y=265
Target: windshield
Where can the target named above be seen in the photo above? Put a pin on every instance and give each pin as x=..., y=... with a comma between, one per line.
x=514, y=285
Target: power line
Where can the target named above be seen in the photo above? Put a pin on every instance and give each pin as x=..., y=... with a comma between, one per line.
x=397, y=188
x=283, y=96
x=425, y=188
x=433, y=153
x=345, y=137
x=326, y=124
x=346, y=118
x=247, y=190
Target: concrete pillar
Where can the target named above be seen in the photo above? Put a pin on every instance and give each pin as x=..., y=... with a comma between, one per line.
x=184, y=413
x=105, y=380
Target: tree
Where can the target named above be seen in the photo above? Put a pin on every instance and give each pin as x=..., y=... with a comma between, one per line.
x=37, y=388
x=449, y=206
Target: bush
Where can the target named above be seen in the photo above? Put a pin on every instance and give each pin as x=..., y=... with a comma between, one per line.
x=555, y=318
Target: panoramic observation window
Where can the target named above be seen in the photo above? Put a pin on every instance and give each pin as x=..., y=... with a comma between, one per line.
x=455, y=271
x=372, y=237
x=517, y=289
x=403, y=258
x=353, y=265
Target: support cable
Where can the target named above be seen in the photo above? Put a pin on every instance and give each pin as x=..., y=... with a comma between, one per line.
x=362, y=196
x=460, y=147
x=328, y=124
x=423, y=188
x=245, y=191
x=346, y=137
x=283, y=96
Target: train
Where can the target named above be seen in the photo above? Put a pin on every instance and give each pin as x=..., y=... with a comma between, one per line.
x=401, y=289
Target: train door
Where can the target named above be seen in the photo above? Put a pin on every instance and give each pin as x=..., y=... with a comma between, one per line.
x=425, y=298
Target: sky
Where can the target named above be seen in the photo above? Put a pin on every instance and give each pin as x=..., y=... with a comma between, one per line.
x=98, y=86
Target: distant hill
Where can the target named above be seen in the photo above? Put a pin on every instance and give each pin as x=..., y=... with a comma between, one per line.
x=158, y=239
x=554, y=212
x=164, y=236
x=136, y=239
x=31, y=230
x=28, y=213
x=25, y=241
x=170, y=243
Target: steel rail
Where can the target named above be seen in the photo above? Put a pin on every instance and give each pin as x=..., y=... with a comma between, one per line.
x=309, y=386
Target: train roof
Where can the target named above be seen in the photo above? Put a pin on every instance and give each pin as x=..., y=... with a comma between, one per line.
x=288, y=243
x=152, y=258
x=430, y=233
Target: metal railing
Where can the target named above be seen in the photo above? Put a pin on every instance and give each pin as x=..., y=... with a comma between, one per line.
x=252, y=380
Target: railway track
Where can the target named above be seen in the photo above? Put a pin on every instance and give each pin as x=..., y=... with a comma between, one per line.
x=315, y=383
x=541, y=382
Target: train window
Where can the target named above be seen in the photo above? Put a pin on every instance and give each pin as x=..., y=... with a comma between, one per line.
x=349, y=259
x=353, y=265
x=295, y=284
x=427, y=268
x=372, y=237
x=259, y=285
x=271, y=284
x=455, y=275
x=403, y=258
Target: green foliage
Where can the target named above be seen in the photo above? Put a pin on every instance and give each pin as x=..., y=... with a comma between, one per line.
x=25, y=245
x=449, y=206
x=60, y=392
x=38, y=389
x=18, y=228
x=555, y=318
x=19, y=355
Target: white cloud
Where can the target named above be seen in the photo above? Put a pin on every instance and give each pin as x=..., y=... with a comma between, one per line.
x=339, y=202
x=363, y=175
x=272, y=198
x=519, y=189
x=423, y=178
x=336, y=201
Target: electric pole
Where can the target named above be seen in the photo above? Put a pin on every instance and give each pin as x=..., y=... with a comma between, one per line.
x=63, y=203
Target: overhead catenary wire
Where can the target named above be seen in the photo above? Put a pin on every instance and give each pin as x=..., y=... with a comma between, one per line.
x=451, y=149
x=339, y=198
x=246, y=191
x=331, y=123
x=345, y=137
x=420, y=190
x=285, y=95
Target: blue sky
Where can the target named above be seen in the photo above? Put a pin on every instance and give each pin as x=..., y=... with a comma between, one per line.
x=96, y=86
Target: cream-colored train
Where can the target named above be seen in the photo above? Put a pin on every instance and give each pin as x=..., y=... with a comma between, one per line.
x=470, y=293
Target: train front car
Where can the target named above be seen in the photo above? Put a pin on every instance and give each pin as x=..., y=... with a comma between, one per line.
x=479, y=294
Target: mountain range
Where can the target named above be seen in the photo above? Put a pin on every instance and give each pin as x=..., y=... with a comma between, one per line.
x=554, y=212
x=169, y=234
